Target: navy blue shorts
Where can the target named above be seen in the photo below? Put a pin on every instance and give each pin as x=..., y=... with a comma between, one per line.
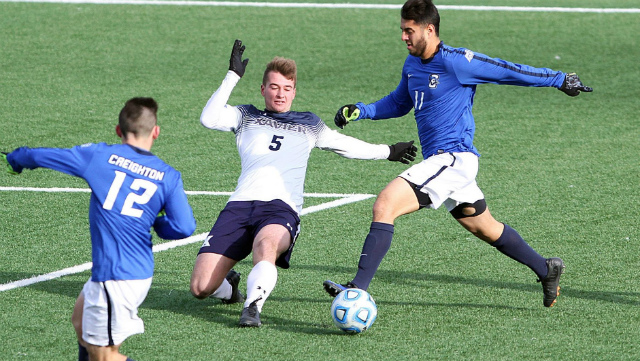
x=238, y=223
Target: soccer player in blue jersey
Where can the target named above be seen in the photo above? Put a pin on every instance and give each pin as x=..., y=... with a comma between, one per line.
x=262, y=215
x=132, y=191
x=439, y=82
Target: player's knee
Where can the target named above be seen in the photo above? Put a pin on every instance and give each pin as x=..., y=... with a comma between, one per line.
x=198, y=291
x=384, y=211
x=466, y=210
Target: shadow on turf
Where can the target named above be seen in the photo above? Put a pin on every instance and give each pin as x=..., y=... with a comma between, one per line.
x=420, y=279
x=166, y=297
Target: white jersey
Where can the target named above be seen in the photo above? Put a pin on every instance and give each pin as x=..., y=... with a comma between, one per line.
x=274, y=148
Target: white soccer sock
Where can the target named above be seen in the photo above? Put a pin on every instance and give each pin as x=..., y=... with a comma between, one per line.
x=260, y=282
x=224, y=291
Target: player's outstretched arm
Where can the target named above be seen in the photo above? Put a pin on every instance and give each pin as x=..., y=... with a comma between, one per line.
x=217, y=114
x=403, y=152
x=572, y=86
x=346, y=113
x=4, y=163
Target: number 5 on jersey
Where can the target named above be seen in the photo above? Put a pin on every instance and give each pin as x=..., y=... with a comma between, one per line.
x=127, y=208
x=275, y=142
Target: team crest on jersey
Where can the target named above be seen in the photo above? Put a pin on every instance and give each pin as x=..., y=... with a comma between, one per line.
x=468, y=54
x=434, y=80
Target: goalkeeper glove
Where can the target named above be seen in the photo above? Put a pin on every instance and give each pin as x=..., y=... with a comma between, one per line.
x=4, y=162
x=572, y=86
x=403, y=152
x=347, y=113
x=236, y=64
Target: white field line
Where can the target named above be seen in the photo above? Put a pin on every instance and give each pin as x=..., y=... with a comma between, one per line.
x=344, y=199
x=328, y=5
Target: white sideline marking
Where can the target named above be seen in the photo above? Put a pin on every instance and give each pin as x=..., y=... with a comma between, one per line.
x=344, y=199
x=329, y=5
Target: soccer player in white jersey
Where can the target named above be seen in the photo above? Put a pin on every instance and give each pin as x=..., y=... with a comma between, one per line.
x=132, y=191
x=262, y=215
x=439, y=83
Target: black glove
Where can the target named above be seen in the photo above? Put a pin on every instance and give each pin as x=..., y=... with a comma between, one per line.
x=236, y=64
x=572, y=86
x=4, y=163
x=346, y=113
x=403, y=152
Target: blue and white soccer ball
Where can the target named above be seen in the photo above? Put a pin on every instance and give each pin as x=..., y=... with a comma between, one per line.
x=354, y=310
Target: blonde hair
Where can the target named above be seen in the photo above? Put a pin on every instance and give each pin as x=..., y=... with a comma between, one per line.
x=284, y=66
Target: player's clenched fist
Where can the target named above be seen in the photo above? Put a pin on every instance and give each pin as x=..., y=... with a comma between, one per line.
x=346, y=113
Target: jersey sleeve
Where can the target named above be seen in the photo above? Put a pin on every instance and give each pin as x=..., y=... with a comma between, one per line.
x=473, y=68
x=176, y=220
x=398, y=103
x=71, y=161
x=349, y=147
x=217, y=114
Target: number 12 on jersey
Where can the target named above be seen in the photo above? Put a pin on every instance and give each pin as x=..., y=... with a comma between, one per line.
x=128, y=208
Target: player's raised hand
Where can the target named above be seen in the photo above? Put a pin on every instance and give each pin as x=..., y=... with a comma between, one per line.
x=346, y=113
x=572, y=86
x=236, y=64
x=4, y=163
x=403, y=152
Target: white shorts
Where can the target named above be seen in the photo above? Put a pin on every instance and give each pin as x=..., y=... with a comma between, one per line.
x=110, y=312
x=448, y=178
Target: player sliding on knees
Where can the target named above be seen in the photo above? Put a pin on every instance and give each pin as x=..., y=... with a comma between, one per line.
x=439, y=82
x=262, y=216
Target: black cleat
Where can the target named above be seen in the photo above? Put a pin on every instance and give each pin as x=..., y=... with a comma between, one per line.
x=551, y=283
x=334, y=289
x=233, y=278
x=250, y=316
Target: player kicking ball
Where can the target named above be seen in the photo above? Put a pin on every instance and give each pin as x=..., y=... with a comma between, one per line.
x=262, y=216
x=439, y=83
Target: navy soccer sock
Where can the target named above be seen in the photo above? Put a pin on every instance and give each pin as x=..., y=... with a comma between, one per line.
x=374, y=249
x=511, y=244
x=83, y=355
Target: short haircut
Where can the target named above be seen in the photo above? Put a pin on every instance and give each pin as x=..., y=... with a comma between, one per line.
x=423, y=12
x=284, y=66
x=138, y=116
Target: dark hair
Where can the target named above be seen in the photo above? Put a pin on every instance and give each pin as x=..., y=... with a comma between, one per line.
x=284, y=66
x=423, y=12
x=138, y=116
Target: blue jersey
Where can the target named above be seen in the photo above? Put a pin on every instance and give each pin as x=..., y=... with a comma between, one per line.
x=441, y=91
x=130, y=187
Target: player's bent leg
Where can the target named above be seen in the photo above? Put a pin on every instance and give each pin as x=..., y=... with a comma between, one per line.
x=509, y=242
x=209, y=272
x=270, y=242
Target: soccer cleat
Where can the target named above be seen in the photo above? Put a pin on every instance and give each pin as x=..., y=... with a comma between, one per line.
x=333, y=289
x=551, y=283
x=233, y=278
x=250, y=316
